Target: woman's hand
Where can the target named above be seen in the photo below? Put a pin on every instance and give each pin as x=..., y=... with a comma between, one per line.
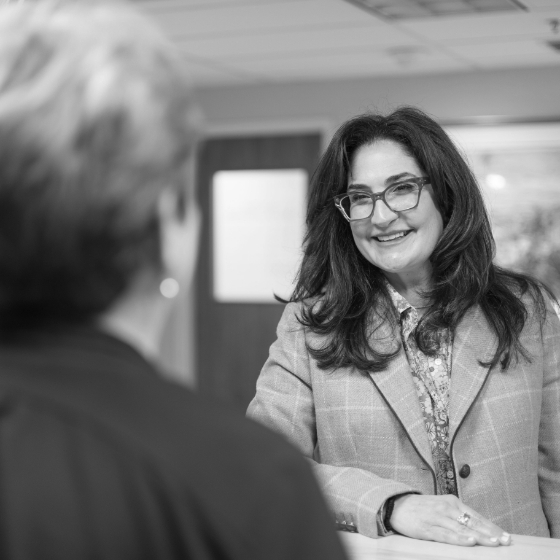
x=435, y=518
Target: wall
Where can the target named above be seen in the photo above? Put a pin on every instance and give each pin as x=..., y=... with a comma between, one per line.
x=525, y=94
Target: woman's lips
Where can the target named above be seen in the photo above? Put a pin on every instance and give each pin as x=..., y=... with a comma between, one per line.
x=392, y=236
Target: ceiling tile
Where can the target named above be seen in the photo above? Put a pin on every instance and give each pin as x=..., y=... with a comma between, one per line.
x=204, y=73
x=506, y=49
x=410, y=9
x=164, y=5
x=337, y=64
x=540, y=4
x=251, y=41
x=481, y=26
x=496, y=62
x=299, y=41
x=222, y=21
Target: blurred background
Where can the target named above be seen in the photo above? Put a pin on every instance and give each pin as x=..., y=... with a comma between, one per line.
x=275, y=78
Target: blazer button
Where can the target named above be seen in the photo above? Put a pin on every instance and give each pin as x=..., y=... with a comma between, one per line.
x=465, y=471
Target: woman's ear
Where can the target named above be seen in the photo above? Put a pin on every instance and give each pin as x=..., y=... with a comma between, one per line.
x=179, y=236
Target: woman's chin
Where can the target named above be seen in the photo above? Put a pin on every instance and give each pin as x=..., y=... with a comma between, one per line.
x=396, y=266
x=413, y=273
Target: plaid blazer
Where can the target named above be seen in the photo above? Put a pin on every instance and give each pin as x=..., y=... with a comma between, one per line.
x=366, y=437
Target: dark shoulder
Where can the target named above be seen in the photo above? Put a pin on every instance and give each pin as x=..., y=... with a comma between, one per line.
x=176, y=426
x=143, y=445
x=221, y=426
x=250, y=479
x=117, y=396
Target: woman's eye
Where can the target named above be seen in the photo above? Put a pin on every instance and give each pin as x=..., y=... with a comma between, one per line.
x=359, y=198
x=404, y=188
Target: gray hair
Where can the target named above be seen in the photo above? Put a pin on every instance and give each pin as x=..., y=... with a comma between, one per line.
x=96, y=119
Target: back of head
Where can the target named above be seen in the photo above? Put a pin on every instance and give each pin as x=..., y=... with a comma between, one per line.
x=96, y=120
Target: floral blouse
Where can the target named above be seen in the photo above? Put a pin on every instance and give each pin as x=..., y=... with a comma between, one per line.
x=431, y=376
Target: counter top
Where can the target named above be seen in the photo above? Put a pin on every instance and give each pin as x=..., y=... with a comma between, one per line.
x=397, y=547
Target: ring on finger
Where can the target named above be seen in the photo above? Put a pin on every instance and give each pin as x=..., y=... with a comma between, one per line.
x=464, y=519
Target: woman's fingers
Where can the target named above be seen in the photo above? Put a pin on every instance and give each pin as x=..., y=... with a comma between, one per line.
x=469, y=531
x=450, y=536
x=487, y=530
x=444, y=519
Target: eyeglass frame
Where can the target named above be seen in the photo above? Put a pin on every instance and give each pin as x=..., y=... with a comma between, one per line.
x=421, y=182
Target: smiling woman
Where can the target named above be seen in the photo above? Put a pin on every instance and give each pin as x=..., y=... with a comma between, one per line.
x=421, y=379
x=396, y=239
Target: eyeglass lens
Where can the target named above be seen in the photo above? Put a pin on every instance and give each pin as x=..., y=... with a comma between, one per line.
x=360, y=205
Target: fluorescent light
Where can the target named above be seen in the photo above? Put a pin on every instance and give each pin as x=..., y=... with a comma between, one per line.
x=410, y=9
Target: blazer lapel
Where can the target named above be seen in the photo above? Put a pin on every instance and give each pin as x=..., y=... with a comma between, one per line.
x=474, y=341
x=396, y=384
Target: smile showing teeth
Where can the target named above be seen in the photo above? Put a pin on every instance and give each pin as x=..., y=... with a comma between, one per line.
x=392, y=237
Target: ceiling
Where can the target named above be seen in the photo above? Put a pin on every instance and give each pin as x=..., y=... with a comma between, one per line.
x=270, y=41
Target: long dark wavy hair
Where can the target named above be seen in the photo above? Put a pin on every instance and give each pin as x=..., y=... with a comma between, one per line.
x=345, y=297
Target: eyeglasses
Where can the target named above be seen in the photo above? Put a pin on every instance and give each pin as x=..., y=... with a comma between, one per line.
x=359, y=205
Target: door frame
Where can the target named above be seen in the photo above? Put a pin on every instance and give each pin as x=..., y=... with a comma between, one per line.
x=179, y=352
x=322, y=126
x=265, y=130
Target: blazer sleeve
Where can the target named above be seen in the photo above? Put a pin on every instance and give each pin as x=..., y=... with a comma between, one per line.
x=284, y=402
x=549, y=432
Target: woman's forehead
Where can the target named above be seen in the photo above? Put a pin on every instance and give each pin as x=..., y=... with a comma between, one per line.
x=384, y=160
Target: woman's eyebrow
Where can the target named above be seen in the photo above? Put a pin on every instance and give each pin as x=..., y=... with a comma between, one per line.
x=397, y=177
x=358, y=187
x=388, y=181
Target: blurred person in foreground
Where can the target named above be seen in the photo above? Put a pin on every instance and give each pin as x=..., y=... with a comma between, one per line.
x=421, y=379
x=99, y=456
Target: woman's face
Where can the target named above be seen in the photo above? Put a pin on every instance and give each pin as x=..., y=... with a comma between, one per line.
x=399, y=243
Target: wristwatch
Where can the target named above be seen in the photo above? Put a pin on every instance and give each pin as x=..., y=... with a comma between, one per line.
x=388, y=510
x=389, y=505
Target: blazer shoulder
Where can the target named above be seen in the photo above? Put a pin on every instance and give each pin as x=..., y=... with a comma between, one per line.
x=542, y=308
x=292, y=325
x=293, y=314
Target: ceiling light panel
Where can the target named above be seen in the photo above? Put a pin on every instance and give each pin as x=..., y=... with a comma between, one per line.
x=411, y=9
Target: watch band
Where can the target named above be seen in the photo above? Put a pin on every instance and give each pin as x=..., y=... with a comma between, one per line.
x=389, y=505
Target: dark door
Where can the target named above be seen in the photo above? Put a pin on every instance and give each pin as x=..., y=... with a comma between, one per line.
x=233, y=338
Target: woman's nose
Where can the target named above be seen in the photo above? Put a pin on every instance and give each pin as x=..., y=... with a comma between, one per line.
x=382, y=214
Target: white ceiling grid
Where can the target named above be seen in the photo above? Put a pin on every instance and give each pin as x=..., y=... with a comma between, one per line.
x=267, y=41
